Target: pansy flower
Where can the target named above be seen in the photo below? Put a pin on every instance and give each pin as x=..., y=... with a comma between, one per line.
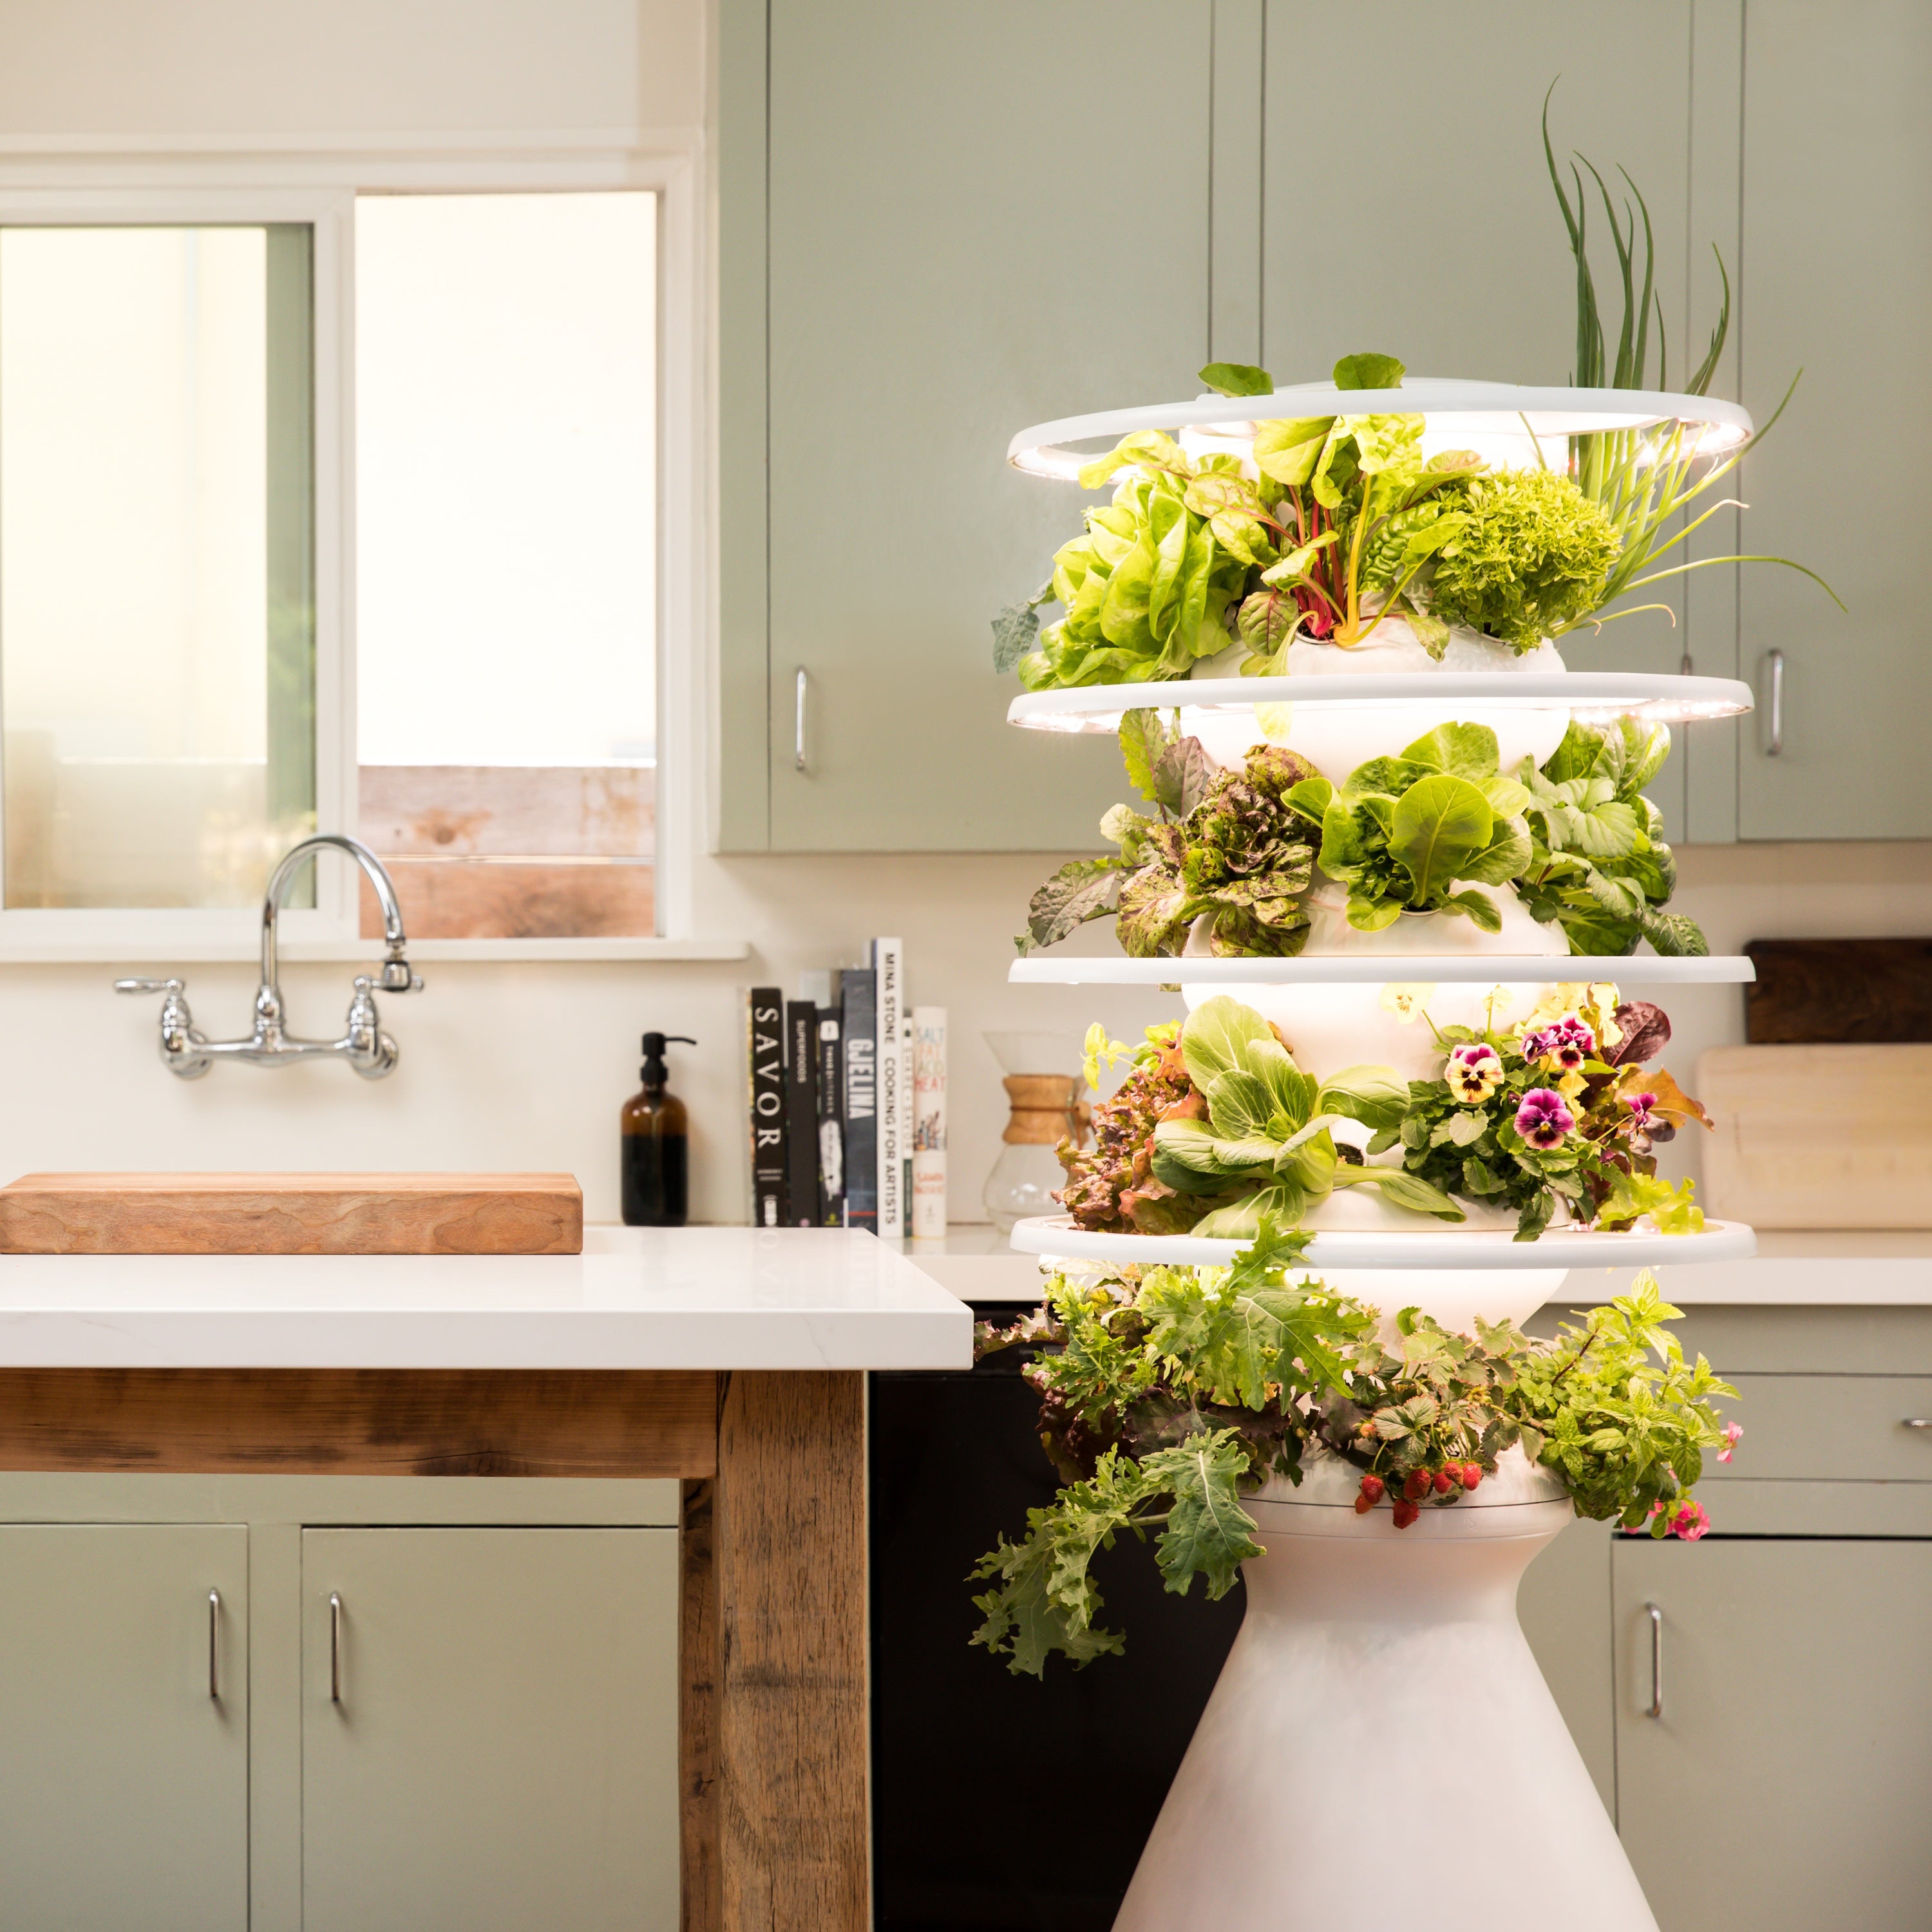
x=1405, y=1001
x=1566, y=1045
x=1543, y=1120
x=1474, y=1071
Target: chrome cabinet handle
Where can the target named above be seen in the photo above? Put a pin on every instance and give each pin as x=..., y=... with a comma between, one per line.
x=1776, y=746
x=1656, y=1617
x=214, y=1644
x=335, y=1649
x=1917, y=1422
x=798, y=748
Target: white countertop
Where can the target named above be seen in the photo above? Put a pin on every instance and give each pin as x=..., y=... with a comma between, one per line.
x=1865, y=1266
x=635, y=1298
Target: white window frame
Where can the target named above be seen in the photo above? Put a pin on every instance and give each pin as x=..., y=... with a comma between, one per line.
x=319, y=188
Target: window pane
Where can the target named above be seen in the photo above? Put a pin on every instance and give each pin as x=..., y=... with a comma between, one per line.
x=506, y=360
x=157, y=610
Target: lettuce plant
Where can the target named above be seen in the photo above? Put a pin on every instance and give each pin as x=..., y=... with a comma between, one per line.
x=1224, y=845
x=1527, y=560
x=1264, y=1138
x=1598, y=863
x=1402, y=832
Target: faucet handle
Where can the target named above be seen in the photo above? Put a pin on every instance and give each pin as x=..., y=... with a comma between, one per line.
x=150, y=985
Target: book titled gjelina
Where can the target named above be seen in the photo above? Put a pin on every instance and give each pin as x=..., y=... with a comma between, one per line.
x=860, y=994
x=766, y=1048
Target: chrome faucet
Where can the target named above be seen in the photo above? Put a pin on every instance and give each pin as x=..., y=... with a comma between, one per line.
x=363, y=1044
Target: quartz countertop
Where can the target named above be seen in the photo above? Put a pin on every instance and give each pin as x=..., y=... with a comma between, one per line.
x=1862, y=1267
x=635, y=1298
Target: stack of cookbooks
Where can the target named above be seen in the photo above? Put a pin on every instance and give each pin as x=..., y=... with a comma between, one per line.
x=847, y=1102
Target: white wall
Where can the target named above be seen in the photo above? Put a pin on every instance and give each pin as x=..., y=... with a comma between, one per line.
x=525, y=1066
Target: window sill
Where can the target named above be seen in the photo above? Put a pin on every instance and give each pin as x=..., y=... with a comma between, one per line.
x=23, y=949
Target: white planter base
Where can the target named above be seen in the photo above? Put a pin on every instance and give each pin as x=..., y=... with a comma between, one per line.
x=1381, y=1732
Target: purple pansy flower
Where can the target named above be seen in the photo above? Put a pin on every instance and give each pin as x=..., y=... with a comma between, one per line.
x=1568, y=1044
x=1543, y=1120
x=1474, y=1071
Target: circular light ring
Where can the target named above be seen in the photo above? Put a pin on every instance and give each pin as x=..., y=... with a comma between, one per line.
x=1594, y=696
x=1386, y=969
x=1473, y=409
x=1493, y=1249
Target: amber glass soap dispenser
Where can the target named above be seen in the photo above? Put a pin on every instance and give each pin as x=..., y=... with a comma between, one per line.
x=656, y=1170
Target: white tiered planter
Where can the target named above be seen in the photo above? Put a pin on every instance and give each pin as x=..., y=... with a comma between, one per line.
x=1381, y=1741
x=1381, y=1732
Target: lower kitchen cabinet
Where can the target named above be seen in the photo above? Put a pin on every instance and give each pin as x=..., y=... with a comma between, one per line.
x=503, y=1755
x=490, y=1729
x=124, y=1727
x=1783, y=1783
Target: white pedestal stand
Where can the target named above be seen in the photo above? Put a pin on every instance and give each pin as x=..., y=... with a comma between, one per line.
x=1381, y=1730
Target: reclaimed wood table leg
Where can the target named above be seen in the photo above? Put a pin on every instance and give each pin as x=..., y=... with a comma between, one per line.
x=789, y=1543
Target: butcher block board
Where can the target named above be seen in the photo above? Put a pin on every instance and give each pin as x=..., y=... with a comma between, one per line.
x=1835, y=1136
x=291, y=1214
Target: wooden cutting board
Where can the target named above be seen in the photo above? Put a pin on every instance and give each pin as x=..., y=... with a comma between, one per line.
x=1818, y=1136
x=291, y=1214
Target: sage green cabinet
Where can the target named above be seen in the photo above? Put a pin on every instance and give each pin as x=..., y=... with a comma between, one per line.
x=1440, y=242
x=124, y=1727
x=1838, y=275
x=1784, y=1782
x=938, y=224
x=490, y=1729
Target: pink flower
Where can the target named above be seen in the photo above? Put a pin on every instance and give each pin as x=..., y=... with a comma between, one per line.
x=1543, y=1120
x=1473, y=1073
x=1689, y=1521
x=1732, y=1430
x=1568, y=1044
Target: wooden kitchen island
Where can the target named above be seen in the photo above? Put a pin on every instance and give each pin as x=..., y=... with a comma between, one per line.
x=732, y=1360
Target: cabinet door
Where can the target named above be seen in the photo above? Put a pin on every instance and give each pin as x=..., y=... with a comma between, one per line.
x=1838, y=273
x=1429, y=230
x=124, y=1784
x=979, y=217
x=503, y=1751
x=1782, y=1784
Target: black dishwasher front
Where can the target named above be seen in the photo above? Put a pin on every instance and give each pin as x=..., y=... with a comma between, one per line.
x=1003, y=1804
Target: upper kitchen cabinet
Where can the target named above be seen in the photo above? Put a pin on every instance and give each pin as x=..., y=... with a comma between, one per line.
x=1837, y=280
x=1408, y=209
x=938, y=224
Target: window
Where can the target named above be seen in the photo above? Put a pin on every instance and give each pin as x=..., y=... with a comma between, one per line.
x=506, y=568
x=348, y=520
x=157, y=605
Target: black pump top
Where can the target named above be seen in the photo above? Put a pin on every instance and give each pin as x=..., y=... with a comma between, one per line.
x=654, y=1055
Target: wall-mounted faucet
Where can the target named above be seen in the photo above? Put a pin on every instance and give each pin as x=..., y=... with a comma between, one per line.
x=363, y=1044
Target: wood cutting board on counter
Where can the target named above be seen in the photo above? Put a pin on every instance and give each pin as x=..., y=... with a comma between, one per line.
x=291, y=1214
x=1831, y=1135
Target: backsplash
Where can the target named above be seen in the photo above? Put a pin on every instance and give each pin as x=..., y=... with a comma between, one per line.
x=524, y=1066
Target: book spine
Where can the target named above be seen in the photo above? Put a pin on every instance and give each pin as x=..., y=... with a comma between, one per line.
x=831, y=1119
x=802, y=1209
x=766, y=1048
x=860, y=1031
x=894, y=1146
x=928, y=1132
